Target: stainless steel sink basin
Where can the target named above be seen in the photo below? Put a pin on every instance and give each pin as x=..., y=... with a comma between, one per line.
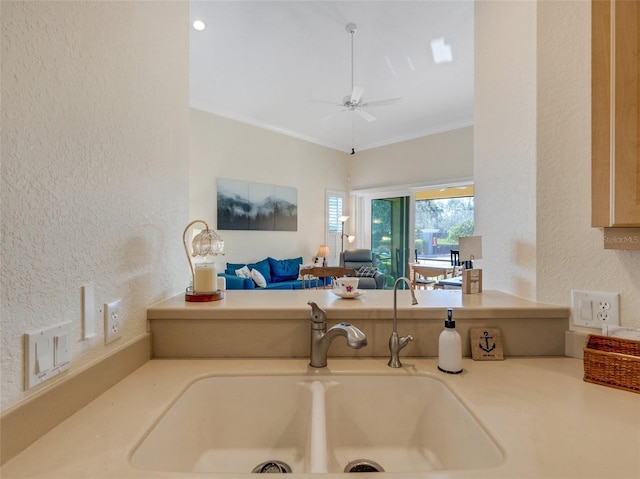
x=316, y=424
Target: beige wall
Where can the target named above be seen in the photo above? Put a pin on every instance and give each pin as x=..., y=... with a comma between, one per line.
x=505, y=144
x=94, y=168
x=427, y=160
x=533, y=157
x=223, y=148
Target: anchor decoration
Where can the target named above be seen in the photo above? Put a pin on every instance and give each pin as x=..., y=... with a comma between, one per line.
x=487, y=348
x=486, y=344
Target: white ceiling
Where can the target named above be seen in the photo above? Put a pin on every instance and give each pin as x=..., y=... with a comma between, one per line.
x=260, y=62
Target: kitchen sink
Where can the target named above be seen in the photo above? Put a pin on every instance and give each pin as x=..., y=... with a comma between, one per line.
x=320, y=423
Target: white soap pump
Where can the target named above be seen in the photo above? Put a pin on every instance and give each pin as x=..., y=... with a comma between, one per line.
x=450, y=347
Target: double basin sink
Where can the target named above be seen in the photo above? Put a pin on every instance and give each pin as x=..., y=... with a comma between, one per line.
x=314, y=423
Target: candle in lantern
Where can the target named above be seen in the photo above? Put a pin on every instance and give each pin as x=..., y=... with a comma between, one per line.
x=205, y=278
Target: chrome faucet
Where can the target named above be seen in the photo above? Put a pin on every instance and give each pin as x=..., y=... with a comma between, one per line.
x=321, y=337
x=396, y=343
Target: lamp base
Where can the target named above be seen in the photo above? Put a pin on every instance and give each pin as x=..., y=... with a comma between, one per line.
x=193, y=297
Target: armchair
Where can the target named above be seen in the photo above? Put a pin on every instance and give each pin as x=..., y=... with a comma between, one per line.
x=357, y=258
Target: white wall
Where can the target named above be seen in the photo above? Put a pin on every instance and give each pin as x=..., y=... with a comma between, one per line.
x=505, y=144
x=533, y=157
x=94, y=170
x=223, y=148
x=570, y=252
x=430, y=159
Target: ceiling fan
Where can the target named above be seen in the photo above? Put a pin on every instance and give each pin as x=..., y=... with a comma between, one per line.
x=353, y=102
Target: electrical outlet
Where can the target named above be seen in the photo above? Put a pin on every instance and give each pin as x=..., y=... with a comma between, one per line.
x=593, y=309
x=112, y=321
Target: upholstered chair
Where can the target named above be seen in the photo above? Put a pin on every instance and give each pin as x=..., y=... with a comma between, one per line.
x=366, y=264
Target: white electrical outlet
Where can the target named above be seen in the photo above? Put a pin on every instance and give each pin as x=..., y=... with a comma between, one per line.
x=592, y=309
x=112, y=321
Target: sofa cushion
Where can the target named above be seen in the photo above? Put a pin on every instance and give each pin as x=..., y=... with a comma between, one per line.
x=285, y=269
x=358, y=256
x=236, y=282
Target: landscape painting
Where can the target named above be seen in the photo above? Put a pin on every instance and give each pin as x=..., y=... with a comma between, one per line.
x=256, y=206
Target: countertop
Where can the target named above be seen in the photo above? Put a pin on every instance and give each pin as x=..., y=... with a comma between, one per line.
x=548, y=422
x=374, y=304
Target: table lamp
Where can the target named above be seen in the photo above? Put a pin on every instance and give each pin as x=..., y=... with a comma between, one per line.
x=204, y=276
x=470, y=249
x=323, y=252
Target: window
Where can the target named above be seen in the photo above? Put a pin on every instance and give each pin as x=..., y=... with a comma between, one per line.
x=335, y=209
x=441, y=217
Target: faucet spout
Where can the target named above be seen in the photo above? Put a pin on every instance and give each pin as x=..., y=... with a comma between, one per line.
x=321, y=338
x=355, y=338
x=396, y=343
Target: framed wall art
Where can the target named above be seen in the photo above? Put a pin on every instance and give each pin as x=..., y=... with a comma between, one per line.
x=243, y=205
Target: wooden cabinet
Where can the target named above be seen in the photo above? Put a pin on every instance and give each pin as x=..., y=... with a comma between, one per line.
x=615, y=62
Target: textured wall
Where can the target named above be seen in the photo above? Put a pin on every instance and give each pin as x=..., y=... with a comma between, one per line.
x=505, y=144
x=94, y=167
x=223, y=148
x=533, y=157
x=570, y=251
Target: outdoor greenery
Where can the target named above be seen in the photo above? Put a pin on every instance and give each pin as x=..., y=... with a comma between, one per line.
x=445, y=219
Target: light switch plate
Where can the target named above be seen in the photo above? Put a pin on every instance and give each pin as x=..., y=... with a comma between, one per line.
x=46, y=353
x=87, y=293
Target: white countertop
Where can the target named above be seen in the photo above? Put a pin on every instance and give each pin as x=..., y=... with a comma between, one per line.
x=289, y=304
x=549, y=423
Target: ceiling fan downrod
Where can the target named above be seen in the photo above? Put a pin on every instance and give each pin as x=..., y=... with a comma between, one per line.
x=351, y=29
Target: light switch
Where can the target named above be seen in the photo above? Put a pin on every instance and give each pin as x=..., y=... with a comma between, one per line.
x=44, y=354
x=585, y=309
x=60, y=349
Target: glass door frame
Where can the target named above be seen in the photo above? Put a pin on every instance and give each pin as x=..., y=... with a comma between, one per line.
x=360, y=205
x=363, y=210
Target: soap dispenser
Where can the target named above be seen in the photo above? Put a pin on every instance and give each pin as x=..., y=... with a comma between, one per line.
x=450, y=347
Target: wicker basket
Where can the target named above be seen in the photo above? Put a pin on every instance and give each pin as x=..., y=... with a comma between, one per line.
x=613, y=362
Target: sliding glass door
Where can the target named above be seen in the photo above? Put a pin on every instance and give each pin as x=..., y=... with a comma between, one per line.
x=390, y=235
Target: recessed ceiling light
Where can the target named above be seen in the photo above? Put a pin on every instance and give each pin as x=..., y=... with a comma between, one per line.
x=199, y=25
x=441, y=51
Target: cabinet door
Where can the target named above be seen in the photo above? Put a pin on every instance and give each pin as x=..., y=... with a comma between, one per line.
x=616, y=113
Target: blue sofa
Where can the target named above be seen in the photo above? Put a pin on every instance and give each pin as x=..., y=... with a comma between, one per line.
x=279, y=274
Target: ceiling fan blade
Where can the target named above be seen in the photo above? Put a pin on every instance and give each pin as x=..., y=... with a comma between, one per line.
x=363, y=114
x=356, y=93
x=329, y=117
x=390, y=101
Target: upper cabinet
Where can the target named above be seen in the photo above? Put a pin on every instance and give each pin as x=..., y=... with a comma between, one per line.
x=615, y=62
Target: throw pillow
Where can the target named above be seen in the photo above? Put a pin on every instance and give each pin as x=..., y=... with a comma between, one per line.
x=366, y=272
x=257, y=278
x=232, y=267
x=284, y=270
x=264, y=268
x=243, y=272
x=301, y=274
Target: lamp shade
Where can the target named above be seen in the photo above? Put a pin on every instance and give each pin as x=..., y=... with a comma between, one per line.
x=323, y=251
x=470, y=248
